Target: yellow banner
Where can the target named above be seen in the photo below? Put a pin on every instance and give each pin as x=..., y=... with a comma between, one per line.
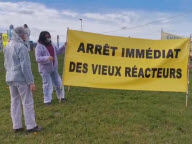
x=5, y=39
x=165, y=35
x=101, y=61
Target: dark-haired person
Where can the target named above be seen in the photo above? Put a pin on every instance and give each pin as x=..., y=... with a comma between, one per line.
x=20, y=79
x=46, y=56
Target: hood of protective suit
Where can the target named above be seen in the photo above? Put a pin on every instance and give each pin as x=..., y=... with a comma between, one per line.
x=11, y=27
x=15, y=37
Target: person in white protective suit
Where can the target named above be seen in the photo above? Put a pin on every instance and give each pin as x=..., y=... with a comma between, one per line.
x=20, y=79
x=11, y=28
x=46, y=56
x=27, y=33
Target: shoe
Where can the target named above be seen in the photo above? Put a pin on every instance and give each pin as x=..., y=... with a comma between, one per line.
x=35, y=129
x=18, y=130
x=48, y=103
x=63, y=100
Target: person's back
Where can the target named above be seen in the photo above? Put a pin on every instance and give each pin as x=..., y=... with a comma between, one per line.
x=14, y=65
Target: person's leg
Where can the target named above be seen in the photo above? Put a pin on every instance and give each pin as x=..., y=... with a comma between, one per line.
x=16, y=114
x=57, y=82
x=47, y=87
x=28, y=105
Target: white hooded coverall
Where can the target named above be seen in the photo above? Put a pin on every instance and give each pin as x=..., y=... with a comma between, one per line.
x=19, y=77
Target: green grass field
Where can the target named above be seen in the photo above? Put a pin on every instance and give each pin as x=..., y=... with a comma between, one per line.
x=98, y=116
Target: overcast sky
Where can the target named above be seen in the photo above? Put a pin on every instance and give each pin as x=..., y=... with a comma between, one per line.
x=111, y=17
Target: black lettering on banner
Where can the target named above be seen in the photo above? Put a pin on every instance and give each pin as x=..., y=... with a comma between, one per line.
x=78, y=70
x=94, y=68
x=165, y=72
x=77, y=67
x=113, y=50
x=99, y=70
x=85, y=69
x=129, y=52
x=177, y=51
x=170, y=54
x=111, y=70
x=123, y=52
x=163, y=53
x=90, y=48
x=81, y=48
x=159, y=73
x=118, y=73
x=98, y=49
x=179, y=73
x=141, y=73
x=134, y=71
x=140, y=53
x=106, y=49
x=127, y=71
x=149, y=53
x=147, y=75
x=157, y=54
x=104, y=70
x=71, y=67
x=172, y=73
x=154, y=70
